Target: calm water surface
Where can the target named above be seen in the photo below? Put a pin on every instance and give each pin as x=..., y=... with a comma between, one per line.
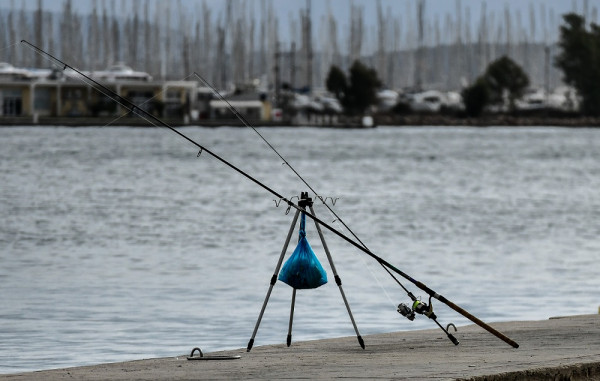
x=120, y=243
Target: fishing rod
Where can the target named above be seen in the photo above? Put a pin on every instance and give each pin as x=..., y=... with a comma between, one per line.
x=417, y=306
x=131, y=107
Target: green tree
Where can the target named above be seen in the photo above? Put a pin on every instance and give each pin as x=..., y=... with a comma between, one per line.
x=504, y=76
x=336, y=82
x=579, y=60
x=362, y=91
x=476, y=97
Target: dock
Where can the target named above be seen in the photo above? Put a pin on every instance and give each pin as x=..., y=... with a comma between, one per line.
x=562, y=348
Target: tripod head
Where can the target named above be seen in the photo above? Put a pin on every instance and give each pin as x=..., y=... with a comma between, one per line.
x=304, y=200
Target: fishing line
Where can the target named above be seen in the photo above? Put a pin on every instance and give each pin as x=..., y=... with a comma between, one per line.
x=338, y=219
x=9, y=46
x=421, y=307
x=245, y=122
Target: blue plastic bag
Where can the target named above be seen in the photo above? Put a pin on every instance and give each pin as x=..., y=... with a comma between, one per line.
x=303, y=270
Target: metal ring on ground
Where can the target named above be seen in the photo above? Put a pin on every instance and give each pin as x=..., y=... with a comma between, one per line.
x=202, y=357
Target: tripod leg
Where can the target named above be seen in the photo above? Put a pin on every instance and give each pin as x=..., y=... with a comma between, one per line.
x=289, y=336
x=338, y=280
x=273, y=280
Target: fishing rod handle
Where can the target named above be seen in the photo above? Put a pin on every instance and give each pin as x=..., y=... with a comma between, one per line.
x=447, y=302
x=472, y=317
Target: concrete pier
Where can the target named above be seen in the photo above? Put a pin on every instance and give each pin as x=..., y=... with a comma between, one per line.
x=565, y=348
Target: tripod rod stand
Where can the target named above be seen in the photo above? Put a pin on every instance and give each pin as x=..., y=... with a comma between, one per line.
x=304, y=202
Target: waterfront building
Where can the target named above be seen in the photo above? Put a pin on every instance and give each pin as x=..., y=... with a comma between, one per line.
x=51, y=97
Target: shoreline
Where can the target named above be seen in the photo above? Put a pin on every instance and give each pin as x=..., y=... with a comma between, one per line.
x=415, y=120
x=492, y=120
x=557, y=348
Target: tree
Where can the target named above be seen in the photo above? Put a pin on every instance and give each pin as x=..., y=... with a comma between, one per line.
x=336, y=82
x=476, y=97
x=579, y=60
x=358, y=92
x=362, y=90
x=504, y=76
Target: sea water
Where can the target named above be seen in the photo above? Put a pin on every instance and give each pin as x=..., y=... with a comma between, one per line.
x=122, y=243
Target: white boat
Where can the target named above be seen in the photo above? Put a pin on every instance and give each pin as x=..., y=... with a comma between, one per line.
x=428, y=101
x=533, y=99
x=9, y=72
x=121, y=72
x=387, y=99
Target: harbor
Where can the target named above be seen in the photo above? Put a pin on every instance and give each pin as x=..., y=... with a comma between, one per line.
x=43, y=97
x=562, y=348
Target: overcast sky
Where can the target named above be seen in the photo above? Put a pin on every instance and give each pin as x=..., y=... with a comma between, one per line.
x=434, y=9
x=341, y=7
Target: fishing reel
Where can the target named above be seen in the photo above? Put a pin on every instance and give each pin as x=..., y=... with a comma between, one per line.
x=406, y=311
x=417, y=307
